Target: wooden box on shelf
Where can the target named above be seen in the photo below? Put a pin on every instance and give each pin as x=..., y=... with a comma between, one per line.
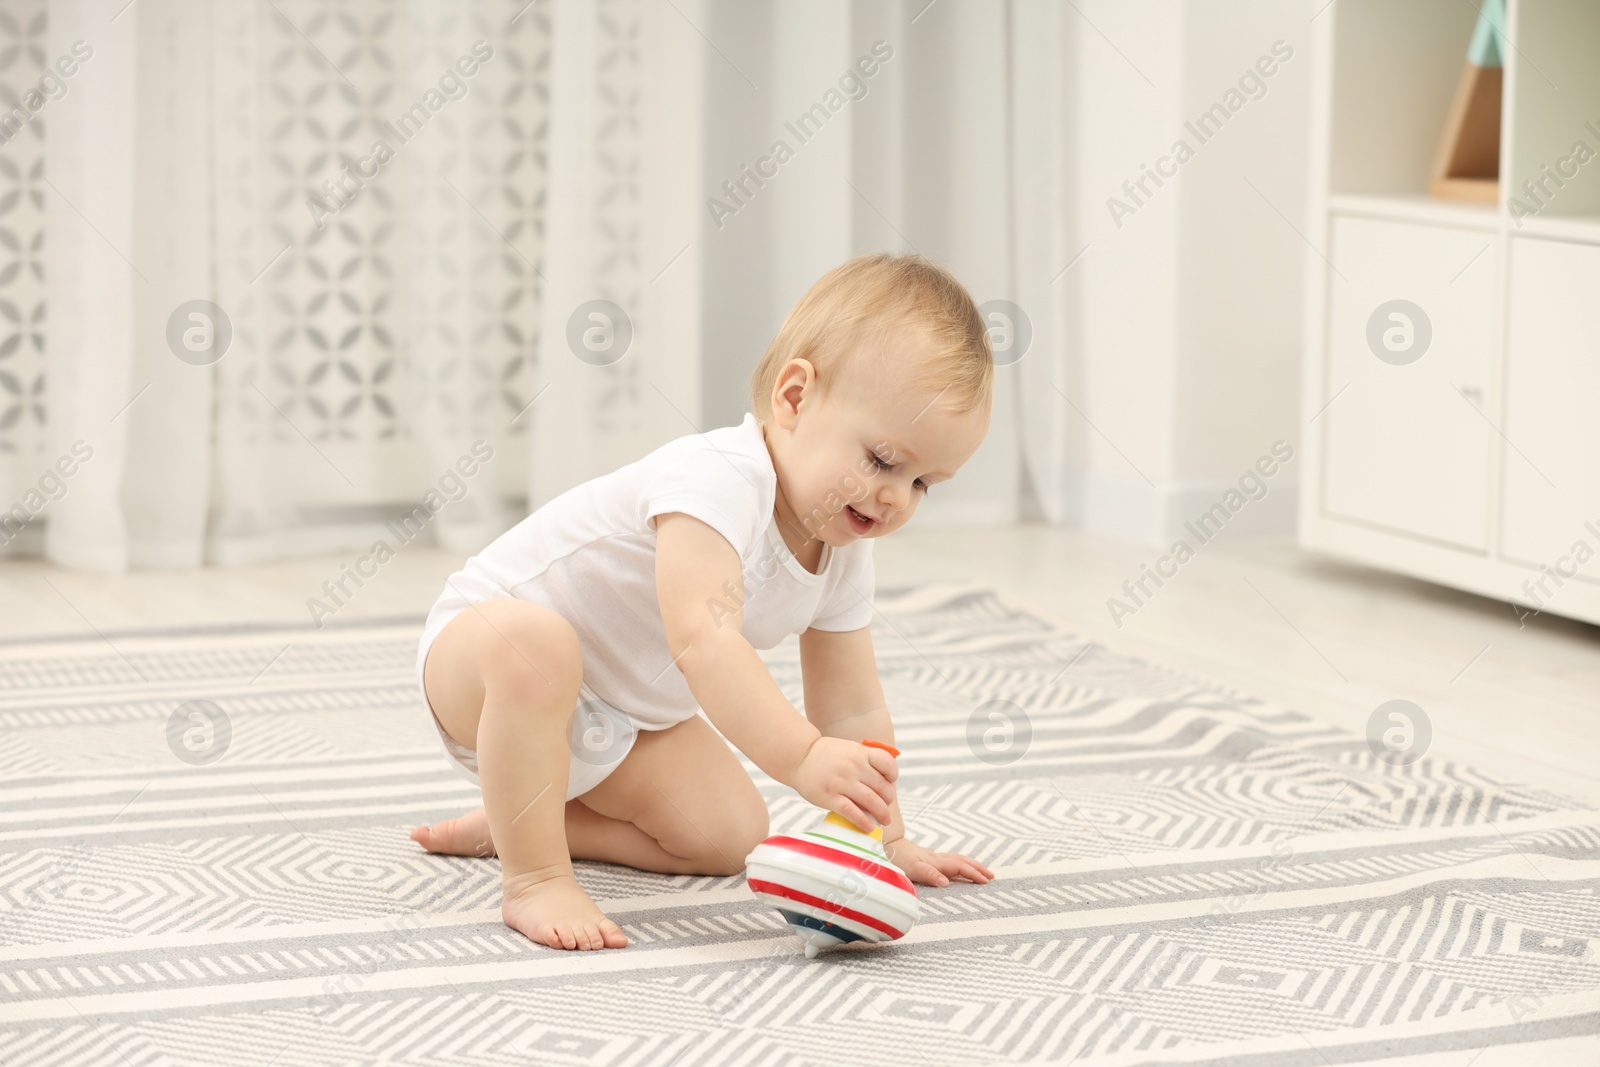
x=1468, y=163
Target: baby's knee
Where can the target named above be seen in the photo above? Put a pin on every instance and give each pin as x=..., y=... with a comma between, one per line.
x=532, y=651
x=744, y=826
x=753, y=828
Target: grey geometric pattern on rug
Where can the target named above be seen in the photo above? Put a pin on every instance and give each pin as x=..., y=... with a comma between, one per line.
x=1186, y=875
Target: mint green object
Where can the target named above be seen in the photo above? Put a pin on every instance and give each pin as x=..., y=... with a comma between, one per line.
x=1484, y=51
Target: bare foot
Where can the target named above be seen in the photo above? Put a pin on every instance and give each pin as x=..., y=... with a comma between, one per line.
x=551, y=908
x=466, y=836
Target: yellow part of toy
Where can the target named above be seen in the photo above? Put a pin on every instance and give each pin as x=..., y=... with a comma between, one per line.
x=839, y=820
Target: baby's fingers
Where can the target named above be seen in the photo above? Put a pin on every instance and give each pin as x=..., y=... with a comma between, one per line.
x=951, y=865
x=970, y=870
x=883, y=763
x=928, y=873
x=873, y=803
x=967, y=863
x=855, y=813
x=884, y=789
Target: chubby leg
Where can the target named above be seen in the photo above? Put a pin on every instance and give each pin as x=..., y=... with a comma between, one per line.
x=590, y=836
x=679, y=803
x=684, y=790
x=503, y=679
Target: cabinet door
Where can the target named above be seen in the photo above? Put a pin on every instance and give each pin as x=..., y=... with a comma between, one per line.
x=1551, y=469
x=1410, y=330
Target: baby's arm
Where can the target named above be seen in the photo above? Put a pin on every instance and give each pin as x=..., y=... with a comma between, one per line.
x=695, y=569
x=844, y=698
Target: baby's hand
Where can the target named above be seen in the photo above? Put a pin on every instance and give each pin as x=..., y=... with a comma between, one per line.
x=850, y=778
x=934, y=868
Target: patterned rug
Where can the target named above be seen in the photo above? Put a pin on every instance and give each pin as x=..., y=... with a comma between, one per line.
x=1186, y=875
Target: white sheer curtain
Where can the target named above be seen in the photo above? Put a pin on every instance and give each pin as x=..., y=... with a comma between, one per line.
x=375, y=338
x=1048, y=243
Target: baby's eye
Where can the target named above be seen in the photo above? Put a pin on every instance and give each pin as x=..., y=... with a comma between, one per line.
x=884, y=465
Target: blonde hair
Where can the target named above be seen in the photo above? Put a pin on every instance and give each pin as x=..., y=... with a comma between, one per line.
x=869, y=298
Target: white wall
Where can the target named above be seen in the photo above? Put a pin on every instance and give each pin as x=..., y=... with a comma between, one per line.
x=1190, y=342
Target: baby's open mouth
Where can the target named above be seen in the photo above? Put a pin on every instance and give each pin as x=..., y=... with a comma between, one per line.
x=858, y=519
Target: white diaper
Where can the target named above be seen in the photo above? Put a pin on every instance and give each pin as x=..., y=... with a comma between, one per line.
x=601, y=736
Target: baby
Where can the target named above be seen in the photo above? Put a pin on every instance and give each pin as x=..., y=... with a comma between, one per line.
x=565, y=664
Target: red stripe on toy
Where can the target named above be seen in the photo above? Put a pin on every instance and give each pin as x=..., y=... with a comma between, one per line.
x=865, y=864
x=773, y=888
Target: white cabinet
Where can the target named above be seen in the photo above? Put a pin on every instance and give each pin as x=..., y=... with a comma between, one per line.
x=1552, y=474
x=1476, y=465
x=1411, y=316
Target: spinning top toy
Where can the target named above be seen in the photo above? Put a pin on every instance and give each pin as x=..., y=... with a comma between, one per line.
x=834, y=884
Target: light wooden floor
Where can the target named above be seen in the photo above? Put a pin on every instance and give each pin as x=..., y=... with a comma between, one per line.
x=1316, y=635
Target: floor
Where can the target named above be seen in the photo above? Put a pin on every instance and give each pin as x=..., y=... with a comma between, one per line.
x=1321, y=636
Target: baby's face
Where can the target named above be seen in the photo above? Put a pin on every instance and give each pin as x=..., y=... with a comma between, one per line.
x=857, y=461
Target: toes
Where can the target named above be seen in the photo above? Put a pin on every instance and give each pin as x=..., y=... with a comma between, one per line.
x=455, y=837
x=429, y=838
x=582, y=936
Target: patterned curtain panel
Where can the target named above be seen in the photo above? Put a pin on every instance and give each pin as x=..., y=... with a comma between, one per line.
x=379, y=229
x=22, y=241
x=286, y=277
